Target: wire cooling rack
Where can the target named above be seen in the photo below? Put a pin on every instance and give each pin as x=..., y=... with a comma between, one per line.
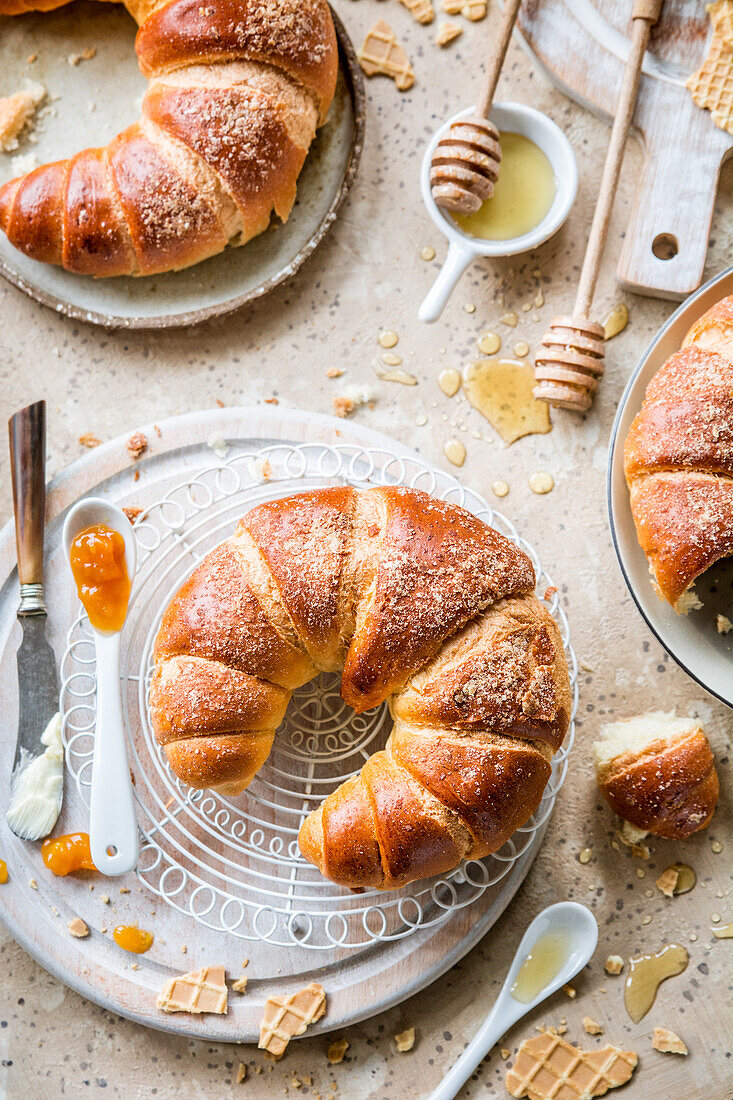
x=233, y=864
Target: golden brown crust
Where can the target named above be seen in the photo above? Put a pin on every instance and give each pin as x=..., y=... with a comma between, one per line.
x=438, y=566
x=505, y=672
x=670, y=788
x=388, y=575
x=684, y=523
x=220, y=147
x=678, y=457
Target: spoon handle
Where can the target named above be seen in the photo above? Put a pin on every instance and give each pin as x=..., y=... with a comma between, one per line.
x=500, y=1019
x=113, y=833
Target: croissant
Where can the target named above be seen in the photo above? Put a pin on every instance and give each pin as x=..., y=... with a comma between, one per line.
x=678, y=460
x=657, y=772
x=237, y=90
x=420, y=603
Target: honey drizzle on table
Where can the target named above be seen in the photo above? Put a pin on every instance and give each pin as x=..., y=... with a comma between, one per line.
x=501, y=390
x=647, y=972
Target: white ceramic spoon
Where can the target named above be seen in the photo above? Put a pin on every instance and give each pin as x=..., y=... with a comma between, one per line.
x=113, y=834
x=579, y=926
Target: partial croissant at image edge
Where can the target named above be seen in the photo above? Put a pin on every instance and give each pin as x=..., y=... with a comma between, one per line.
x=678, y=460
x=237, y=91
x=419, y=603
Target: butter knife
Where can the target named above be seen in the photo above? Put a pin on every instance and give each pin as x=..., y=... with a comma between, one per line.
x=38, y=681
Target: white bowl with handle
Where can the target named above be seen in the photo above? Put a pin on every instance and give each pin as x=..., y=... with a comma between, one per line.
x=462, y=247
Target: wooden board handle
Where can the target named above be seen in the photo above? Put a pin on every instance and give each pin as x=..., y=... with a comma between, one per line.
x=666, y=242
x=27, y=431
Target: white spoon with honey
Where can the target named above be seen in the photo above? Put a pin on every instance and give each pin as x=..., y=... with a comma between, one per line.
x=558, y=943
x=100, y=546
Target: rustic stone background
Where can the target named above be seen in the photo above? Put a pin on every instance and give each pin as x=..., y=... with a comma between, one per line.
x=367, y=276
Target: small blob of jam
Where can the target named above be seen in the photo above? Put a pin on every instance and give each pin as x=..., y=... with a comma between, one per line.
x=132, y=938
x=98, y=565
x=68, y=853
x=3, y=872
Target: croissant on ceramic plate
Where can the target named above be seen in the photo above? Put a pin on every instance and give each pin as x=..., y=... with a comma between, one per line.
x=420, y=604
x=678, y=460
x=237, y=90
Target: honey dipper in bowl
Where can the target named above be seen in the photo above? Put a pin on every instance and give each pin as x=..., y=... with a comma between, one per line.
x=465, y=165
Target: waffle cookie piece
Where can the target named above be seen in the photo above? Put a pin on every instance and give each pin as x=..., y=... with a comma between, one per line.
x=712, y=85
x=286, y=1017
x=201, y=990
x=547, y=1067
x=422, y=11
x=382, y=54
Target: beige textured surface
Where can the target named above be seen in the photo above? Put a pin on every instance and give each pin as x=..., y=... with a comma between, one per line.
x=369, y=277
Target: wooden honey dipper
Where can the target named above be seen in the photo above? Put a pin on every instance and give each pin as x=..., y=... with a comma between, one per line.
x=465, y=164
x=569, y=361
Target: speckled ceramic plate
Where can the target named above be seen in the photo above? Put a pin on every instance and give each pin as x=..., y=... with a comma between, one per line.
x=86, y=108
x=693, y=639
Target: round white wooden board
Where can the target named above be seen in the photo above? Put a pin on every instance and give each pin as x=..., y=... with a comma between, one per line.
x=693, y=640
x=91, y=102
x=359, y=983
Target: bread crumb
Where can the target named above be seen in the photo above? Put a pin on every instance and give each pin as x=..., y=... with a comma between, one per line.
x=334, y=372
x=723, y=624
x=240, y=985
x=351, y=399
x=33, y=884
x=84, y=55
x=667, y=881
x=23, y=164
x=447, y=32
x=505, y=1053
x=89, y=439
x=569, y=990
x=405, y=1040
x=78, y=928
x=136, y=445
x=241, y=1073
x=337, y=1050
x=262, y=469
x=614, y=964
x=218, y=444
x=667, y=1042
x=16, y=115
x=592, y=1026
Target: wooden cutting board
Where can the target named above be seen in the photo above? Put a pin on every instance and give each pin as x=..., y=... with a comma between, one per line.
x=582, y=45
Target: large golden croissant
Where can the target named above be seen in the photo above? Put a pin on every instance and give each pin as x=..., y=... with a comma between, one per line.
x=237, y=90
x=678, y=459
x=420, y=603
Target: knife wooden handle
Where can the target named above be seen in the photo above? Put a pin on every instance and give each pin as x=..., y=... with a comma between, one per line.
x=27, y=430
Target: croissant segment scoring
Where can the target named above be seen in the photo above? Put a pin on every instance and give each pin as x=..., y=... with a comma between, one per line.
x=237, y=90
x=419, y=603
x=678, y=459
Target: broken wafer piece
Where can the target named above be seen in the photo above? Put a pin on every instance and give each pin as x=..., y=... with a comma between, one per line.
x=667, y=1042
x=382, y=53
x=201, y=990
x=446, y=33
x=712, y=85
x=287, y=1016
x=405, y=1040
x=547, y=1067
x=667, y=881
x=422, y=11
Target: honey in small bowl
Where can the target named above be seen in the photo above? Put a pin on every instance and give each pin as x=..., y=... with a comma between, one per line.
x=99, y=568
x=523, y=194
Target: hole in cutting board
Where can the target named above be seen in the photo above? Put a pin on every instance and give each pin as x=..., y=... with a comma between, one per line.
x=664, y=246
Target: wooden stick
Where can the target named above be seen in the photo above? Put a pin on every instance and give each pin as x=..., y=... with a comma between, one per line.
x=496, y=61
x=645, y=14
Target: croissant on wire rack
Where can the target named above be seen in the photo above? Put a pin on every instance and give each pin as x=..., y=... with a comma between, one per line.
x=678, y=460
x=421, y=604
x=237, y=90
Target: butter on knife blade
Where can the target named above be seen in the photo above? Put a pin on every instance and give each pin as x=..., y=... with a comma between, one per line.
x=37, y=786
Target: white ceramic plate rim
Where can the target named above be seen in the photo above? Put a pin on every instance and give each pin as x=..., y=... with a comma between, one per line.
x=675, y=635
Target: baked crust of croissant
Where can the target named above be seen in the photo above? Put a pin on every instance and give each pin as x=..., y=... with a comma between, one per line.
x=237, y=90
x=421, y=604
x=678, y=459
